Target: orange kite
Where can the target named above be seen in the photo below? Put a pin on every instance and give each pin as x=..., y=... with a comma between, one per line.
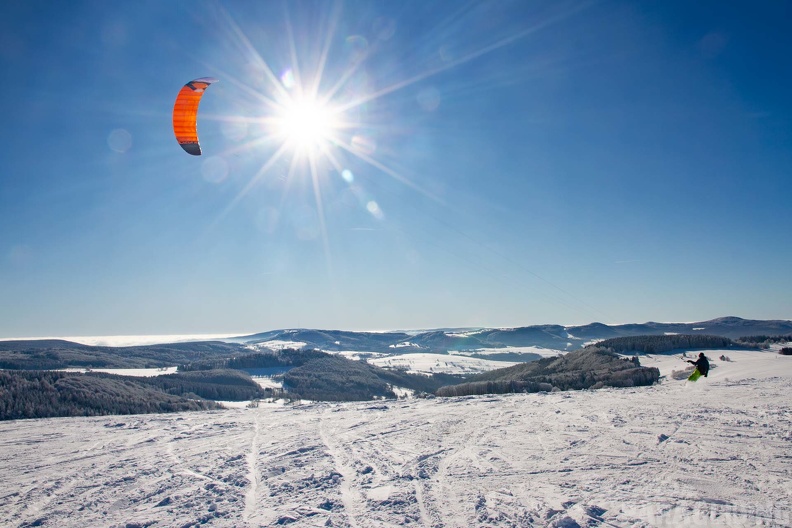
x=185, y=114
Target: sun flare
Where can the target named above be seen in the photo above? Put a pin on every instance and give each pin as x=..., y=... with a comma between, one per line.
x=307, y=124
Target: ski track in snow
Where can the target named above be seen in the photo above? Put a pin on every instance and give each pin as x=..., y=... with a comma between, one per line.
x=676, y=454
x=253, y=478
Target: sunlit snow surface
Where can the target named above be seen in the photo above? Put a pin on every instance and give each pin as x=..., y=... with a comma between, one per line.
x=713, y=453
x=438, y=363
x=277, y=344
x=138, y=373
x=527, y=350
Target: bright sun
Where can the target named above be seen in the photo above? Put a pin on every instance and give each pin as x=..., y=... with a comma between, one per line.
x=307, y=124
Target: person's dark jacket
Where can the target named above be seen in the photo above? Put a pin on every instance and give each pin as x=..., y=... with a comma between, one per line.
x=702, y=364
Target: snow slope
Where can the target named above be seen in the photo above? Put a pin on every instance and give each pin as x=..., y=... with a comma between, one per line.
x=424, y=363
x=714, y=453
x=529, y=350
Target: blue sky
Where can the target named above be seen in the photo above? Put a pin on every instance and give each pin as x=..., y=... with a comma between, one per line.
x=501, y=163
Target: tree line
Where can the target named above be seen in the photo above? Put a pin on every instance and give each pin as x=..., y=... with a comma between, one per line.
x=44, y=394
x=40, y=394
x=763, y=341
x=288, y=357
x=60, y=354
x=588, y=368
x=227, y=385
x=655, y=344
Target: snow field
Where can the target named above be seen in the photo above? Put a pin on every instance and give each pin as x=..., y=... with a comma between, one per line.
x=677, y=454
x=139, y=373
x=424, y=363
x=539, y=351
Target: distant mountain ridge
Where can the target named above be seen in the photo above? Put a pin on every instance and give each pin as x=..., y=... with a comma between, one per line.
x=52, y=353
x=556, y=337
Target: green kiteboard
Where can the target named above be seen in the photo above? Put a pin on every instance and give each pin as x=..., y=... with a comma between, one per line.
x=696, y=375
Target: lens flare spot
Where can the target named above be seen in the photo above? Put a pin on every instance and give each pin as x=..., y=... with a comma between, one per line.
x=364, y=144
x=119, y=140
x=214, y=169
x=357, y=47
x=374, y=208
x=384, y=28
x=347, y=175
x=287, y=78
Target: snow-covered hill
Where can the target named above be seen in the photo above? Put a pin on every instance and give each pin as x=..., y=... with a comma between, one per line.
x=713, y=453
x=549, y=336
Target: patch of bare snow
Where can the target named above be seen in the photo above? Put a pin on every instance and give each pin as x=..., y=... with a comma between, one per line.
x=425, y=363
x=590, y=342
x=235, y=404
x=539, y=351
x=468, y=333
x=136, y=372
x=401, y=392
x=277, y=344
x=267, y=382
x=357, y=355
x=404, y=344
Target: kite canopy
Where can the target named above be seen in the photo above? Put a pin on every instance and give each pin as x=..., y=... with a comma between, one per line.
x=185, y=114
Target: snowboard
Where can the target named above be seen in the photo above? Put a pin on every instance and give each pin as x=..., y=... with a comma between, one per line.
x=696, y=375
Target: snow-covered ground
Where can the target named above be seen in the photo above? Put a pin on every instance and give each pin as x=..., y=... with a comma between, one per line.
x=420, y=363
x=268, y=382
x=276, y=344
x=356, y=355
x=714, y=453
x=744, y=364
x=266, y=402
x=138, y=373
x=522, y=350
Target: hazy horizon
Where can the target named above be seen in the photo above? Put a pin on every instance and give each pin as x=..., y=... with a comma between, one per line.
x=152, y=339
